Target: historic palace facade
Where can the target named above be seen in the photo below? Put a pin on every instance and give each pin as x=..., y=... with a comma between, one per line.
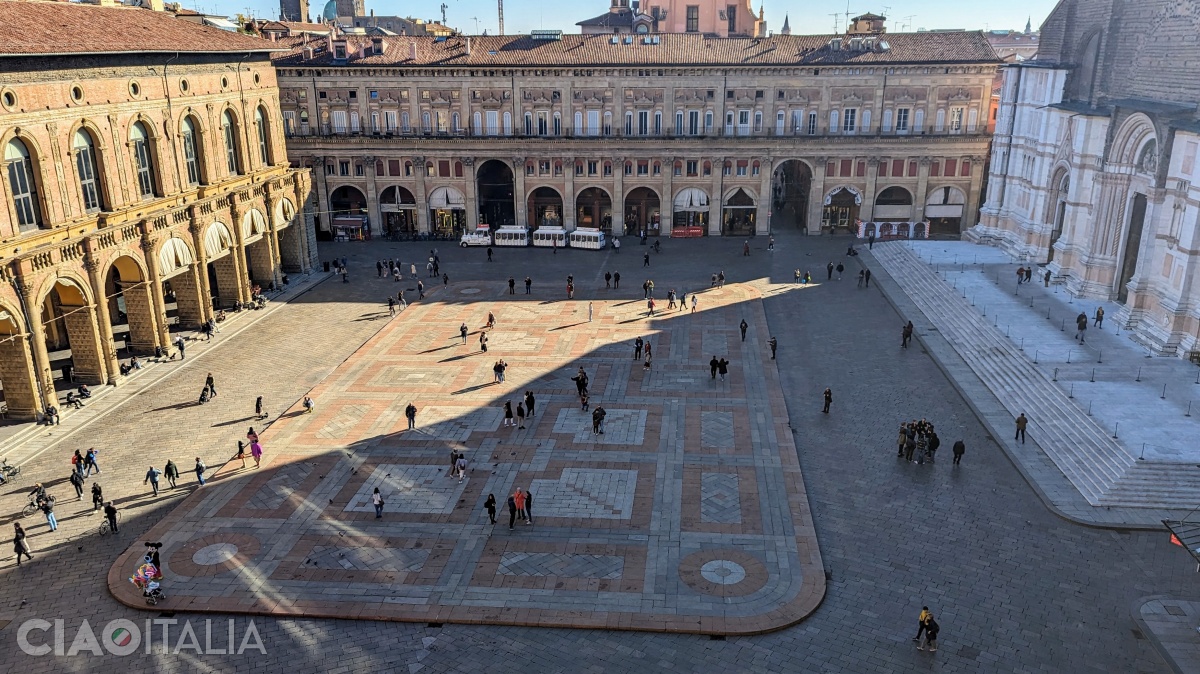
x=1094, y=172
x=674, y=134
x=145, y=182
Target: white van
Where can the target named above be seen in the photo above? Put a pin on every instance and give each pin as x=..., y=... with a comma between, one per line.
x=482, y=236
x=548, y=237
x=512, y=236
x=588, y=238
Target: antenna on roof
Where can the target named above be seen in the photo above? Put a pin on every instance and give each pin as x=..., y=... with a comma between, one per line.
x=835, y=16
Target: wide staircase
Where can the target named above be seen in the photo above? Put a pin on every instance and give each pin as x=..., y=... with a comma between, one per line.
x=1103, y=471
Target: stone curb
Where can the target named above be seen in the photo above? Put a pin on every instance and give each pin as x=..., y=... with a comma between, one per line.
x=1135, y=610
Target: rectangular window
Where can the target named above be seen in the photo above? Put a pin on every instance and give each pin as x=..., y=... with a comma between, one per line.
x=393, y=167
x=707, y=169
x=629, y=124
x=491, y=122
x=542, y=125
x=444, y=168
x=190, y=158
x=951, y=168
x=731, y=15
x=741, y=168
x=21, y=185
x=897, y=167
x=289, y=122
x=831, y=169
x=912, y=169
x=860, y=169
x=726, y=169
x=657, y=169
x=338, y=119
x=344, y=168
x=593, y=167
x=330, y=170
x=691, y=167
x=643, y=168
x=643, y=120
x=678, y=169
x=812, y=123
x=902, y=120
x=758, y=121
x=593, y=122
x=956, y=119
x=849, y=120
x=708, y=121
x=628, y=169
x=693, y=19
x=358, y=170
x=966, y=168
x=845, y=167
x=578, y=169
x=607, y=168
x=743, y=122
x=389, y=121
x=658, y=123
x=544, y=168
x=529, y=169
x=693, y=122
x=678, y=122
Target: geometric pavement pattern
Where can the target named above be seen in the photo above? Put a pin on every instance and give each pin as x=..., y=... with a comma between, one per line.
x=688, y=513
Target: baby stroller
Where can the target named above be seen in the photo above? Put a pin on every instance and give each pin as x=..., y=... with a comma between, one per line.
x=148, y=576
x=204, y=395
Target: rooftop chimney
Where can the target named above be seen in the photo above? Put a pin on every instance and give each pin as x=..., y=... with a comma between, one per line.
x=412, y=51
x=468, y=46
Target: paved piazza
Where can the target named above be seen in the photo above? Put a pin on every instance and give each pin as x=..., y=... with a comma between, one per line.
x=1016, y=588
x=688, y=514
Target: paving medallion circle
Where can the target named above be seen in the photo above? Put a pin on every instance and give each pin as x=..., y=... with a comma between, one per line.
x=217, y=553
x=469, y=291
x=723, y=572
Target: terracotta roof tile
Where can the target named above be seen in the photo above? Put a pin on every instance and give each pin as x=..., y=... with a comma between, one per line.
x=29, y=27
x=673, y=49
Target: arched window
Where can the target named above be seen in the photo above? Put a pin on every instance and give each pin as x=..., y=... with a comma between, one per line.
x=304, y=122
x=143, y=163
x=264, y=145
x=22, y=186
x=557, y=123
x=578, y=123
x=85, y=166
x=191, y=151
x=455, y=125
x=233, y=163
x=507, y=123
x=477, y=123
x=405, y=125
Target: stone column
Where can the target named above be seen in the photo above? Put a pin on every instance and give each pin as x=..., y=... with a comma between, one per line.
x=618, y=221
x=322, y=189
x=43, y=380
x=522, y=203
x=302, y=190
x=271, y=200
x=86, y=355
x=666, y=205
x=762, y=218
x=201, y=267
x=423, y=216
x=373, y=197
x=568, y=219
x=922, y=188
x=17, y=371
x=158, y=307
x=107, y=351
x=971, y=208
x=472, y=197
x=715, y=200
x=867, y=212
x=816, y=200
x=237, y=211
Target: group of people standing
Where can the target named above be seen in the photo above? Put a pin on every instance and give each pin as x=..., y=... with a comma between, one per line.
x=918, y=443
x=520, y=506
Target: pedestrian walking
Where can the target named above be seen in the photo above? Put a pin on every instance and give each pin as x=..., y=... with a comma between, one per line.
x=607, y=280
x=508, y=414
x=871, y=241
x=694, y=304
x=489, y=253
x=723, y=368
x=200, y=468
x=616, y=280
x=746, y=249
x=78, y=462
x=490, y=506
x=460, y=467
x=906, y=334
x=89, y=462
x=211, y=385
x=520, y=415
x=410, y=413
x=258, y=408
x=529, y=403
x=512, y=512
x=528, y=285
x=391, y=306
x=445, y=279
x=97, y=496
x=309, y=405
x=412, y=270
x=744, y=326
x=1081, y=324
x=152, y=478
x=570, y=291
x=867, y=278
x=172, y=472
x=1046, y=278
x=683, y=300
x=462, y=330
x=829, y=271
x=1099, y=317
x=828, y=400
x=637, y=348
x=1022, y=422
x=921, y=618
x=179, y=344
x=77, y=482
x=589, y=312
x=48, y=510
x=377, y=501
x=646, y=259
x=721, y=279
x=650, y=307
x=420, y=290
x=512, y=286
x=840, y=268
x=771, y=243
x=256, y=451
x=529, y=495
x=773, y=343
x=110, y=514
x=861, y=273
x=931, y=634
x=251, y=435
x=20, y=543
x=483, y=340
x=901, y=440
x=712, y=367
x=959, y=449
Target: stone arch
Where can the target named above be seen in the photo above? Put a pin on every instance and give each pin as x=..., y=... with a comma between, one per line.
x=129, y=302
x=181, y=287
x=593, y=207
x=1130, y=139
x=291, y=239
x=16, y=364
x=68, y=314
x=260, y=260
x=218, y=240
x=544, y=207
x=643, y=210
x=1056, y=206
x=254, y=226
x=174, y=255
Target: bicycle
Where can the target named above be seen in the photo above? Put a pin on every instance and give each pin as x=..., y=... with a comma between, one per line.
x=106, y=526
x=33, y=506
x=9, y=472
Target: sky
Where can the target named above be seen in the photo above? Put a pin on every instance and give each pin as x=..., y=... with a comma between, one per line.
x=807, y=16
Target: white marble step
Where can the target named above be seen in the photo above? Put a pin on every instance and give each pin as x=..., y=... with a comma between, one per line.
x=1081, y=450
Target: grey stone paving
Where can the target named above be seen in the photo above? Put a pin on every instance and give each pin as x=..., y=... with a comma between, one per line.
x=594, y=493
x=621, y=427
x=408, y=489
x=716, y=430
x=720, y=502
x=366, y=559
x=565, y=566
x=1017, y=588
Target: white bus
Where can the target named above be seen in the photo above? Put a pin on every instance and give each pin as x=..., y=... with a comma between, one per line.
x=548, y=237
x=588, y=238
x=512, y=236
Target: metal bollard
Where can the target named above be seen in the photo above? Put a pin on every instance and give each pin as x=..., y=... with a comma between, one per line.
x=1063, y=326
x=1100, y=353
x=1055, y=375
x=1069, y=356
x=1164, y=393
x=1189, y=412
x=1115, y=427
x=1139, y=377
x=1071, y=393
x=1022, y=343
x=1035, y=356
x=1093, y=375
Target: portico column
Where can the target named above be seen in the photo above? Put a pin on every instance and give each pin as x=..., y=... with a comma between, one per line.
x=472, y=197
x=373, y=197
x=666, y=206
x=716, y=199
x=302, y=190
x=521, y=205
x=237, y=212
x=271, y=201
x=971, y=208
x=424, y=226
x=867, y=212
x=816, y=200
x=200, y=268
x=41, y=357
x=922, y=188
x=569, y=199
x=108, y=355
x=159, y=307
x=323, y=207
x=618, y=221
x=762, y=218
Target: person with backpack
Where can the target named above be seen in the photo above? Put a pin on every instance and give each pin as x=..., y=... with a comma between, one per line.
x=200, y=468
x=77, y=482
